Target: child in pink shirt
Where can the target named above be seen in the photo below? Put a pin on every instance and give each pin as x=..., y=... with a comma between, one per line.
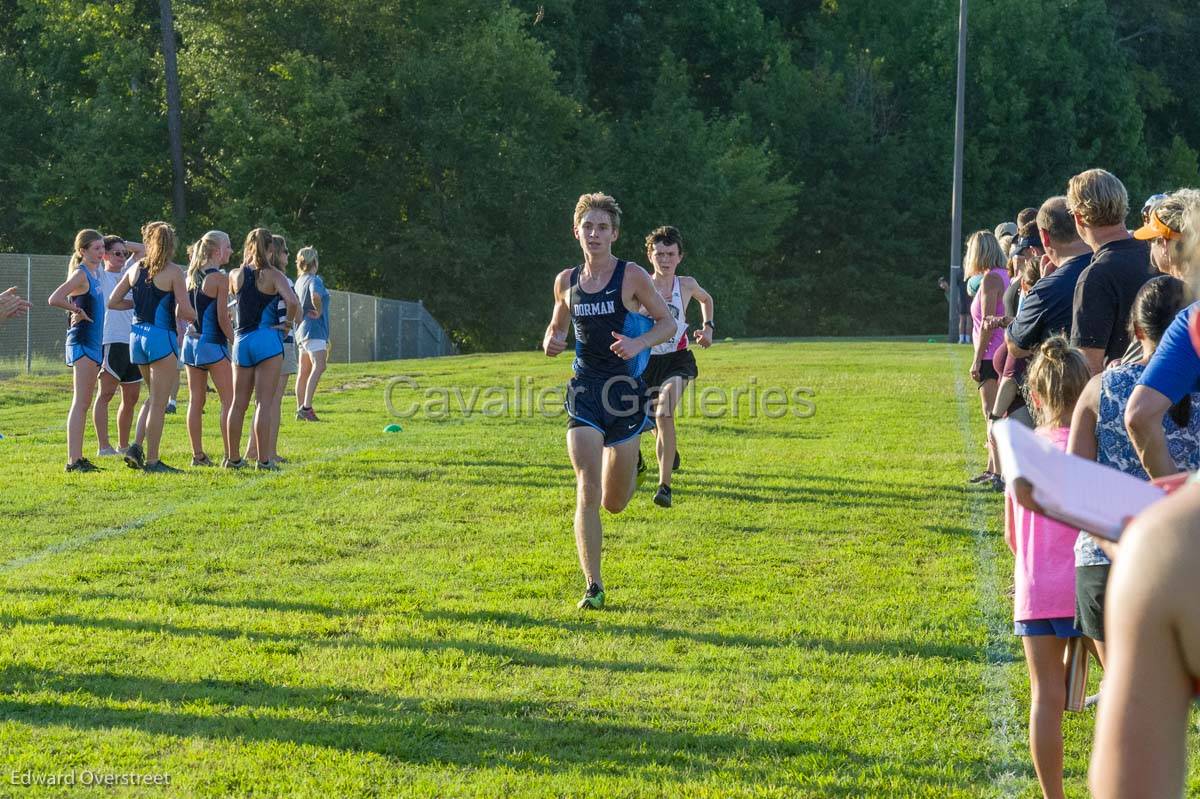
x=1044, y=605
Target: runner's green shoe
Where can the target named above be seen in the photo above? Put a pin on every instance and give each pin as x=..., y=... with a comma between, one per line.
x=593, y=599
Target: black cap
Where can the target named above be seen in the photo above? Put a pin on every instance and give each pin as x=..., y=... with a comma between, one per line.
x=1025, y=242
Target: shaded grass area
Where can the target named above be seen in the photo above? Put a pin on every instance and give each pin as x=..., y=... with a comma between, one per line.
x=394, y=614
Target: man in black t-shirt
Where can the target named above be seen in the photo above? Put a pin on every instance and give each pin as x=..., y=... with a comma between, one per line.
x=1120, y=265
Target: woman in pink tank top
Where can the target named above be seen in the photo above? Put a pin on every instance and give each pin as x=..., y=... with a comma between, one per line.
x=985, y=257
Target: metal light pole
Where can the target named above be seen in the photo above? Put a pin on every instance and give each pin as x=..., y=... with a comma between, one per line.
x=174, y=125
x=956, y=269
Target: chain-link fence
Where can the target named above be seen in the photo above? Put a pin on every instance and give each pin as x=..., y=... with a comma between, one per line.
x=361, y=328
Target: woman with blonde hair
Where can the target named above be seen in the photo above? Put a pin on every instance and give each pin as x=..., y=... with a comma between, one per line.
x=279, y=256
x=82, y=297
x=257, y=346
x=206, y=345
x=312, y=332
x=986, y=259
x=159, y=297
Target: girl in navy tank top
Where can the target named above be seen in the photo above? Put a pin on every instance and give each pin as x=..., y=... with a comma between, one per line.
x=80, y=296
x=258, y=347
x=159, y=296
x=206, y=345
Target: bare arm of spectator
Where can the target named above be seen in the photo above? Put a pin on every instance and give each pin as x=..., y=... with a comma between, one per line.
x=1094, y=357
x=1144, y=421
x=1153, y=653
x=12, y=305
x=1082, y=441
x=1006, y=392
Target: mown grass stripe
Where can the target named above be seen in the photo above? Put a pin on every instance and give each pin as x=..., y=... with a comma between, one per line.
x=1003, y=712
x=78, y=542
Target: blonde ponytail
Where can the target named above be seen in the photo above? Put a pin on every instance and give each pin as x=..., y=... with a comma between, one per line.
x=83, y=239
x=202, y=252
x=160, y=246
x=1056, y=377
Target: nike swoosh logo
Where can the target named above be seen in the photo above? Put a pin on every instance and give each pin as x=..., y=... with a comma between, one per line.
x=611, y=291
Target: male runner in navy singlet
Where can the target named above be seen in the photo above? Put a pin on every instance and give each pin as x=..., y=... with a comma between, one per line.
x=606, y=399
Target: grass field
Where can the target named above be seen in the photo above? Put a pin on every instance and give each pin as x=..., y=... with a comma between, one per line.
x=822, y=613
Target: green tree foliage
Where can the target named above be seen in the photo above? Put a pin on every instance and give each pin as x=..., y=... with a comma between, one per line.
x=434, y=150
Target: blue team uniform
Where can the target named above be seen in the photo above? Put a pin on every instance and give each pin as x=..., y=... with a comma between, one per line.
x=209, y=345
x=255, y=338
x=153, y=336
x=607, y=392
x=86, y=339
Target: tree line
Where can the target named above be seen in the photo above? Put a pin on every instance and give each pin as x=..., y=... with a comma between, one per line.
x=433, y=150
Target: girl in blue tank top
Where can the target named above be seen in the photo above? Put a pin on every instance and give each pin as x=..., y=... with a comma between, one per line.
x=159, y=290
x=206, y=345
x=283, y=326
x=80, y=295
x=257, y=346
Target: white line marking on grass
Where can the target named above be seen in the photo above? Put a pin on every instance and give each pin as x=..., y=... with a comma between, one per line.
x=1007, y=730
x=112, y=532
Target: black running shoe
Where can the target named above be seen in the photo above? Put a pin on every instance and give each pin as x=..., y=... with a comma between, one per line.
x=135, y=458
x=158, y=467
x=663, y=497
x=593, y=598
x=82, y=465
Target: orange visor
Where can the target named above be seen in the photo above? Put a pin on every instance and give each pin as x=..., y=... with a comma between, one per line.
x=1155, y=229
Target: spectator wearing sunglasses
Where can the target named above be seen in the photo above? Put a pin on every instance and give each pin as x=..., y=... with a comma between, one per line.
x=117, y=371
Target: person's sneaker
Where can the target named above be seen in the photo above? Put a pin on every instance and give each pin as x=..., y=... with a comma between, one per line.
x=170, y=407
x=1094, y=699
x=82, y=465
x=106, y=452
x=203, y=460
x=301, y=415
x=240, y=463
x=266, y=466
x=593, y=598
x=982, y=477
x=158, y=467
x=996, y=483
x=311, y=415
x=135, y=458
x=663, y=498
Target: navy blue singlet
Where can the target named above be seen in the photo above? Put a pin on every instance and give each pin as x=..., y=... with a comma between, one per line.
x=254, y=309
x=206, y=312
x=595, y=317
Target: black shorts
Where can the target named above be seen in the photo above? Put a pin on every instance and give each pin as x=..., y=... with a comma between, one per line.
x=661, y=368
x=117, y=363
x=616, y=407
x=987, y=371
x=1091, y=583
